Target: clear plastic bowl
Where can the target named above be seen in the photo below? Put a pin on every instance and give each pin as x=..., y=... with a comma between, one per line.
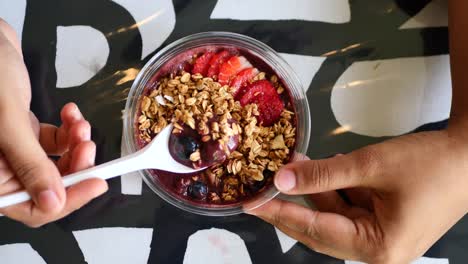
x=198, y=42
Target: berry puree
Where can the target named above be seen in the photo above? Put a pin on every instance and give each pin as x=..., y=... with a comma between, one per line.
x=231, y=114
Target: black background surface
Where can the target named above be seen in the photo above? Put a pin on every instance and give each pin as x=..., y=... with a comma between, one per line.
x=374, y=24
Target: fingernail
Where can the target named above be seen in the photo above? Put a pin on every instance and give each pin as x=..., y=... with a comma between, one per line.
x=285, y=180
x=86, y=134
x=91, y=160
x=76, y=110
x=48, y=200
x=75, y=113
x=92, y=155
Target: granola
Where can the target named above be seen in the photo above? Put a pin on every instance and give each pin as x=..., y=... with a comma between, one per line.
x=204, y=105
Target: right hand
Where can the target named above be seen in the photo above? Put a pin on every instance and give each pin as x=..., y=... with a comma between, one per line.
x=403, y=195
x=25, y=145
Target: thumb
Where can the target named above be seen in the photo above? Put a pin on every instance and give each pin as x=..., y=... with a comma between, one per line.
x=31, y=165
x=356, y=169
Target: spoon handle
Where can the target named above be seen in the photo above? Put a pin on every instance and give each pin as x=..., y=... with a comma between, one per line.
x=104, y=171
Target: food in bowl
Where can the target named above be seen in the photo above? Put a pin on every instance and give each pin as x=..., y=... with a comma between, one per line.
x=231, y=113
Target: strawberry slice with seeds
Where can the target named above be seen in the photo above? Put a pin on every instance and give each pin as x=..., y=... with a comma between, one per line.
x=229, y=69
x=267, y=99
x=270, y=109
x=202, y=63
x=216, y=61
x=261, y=87
x=242, y=79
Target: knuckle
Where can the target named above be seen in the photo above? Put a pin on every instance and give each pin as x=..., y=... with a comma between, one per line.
x=82, y=124
x=369, y=161
x=320, y=174
x=35, y=173
x=26, y=173
x=277, y=216
x=311, y=230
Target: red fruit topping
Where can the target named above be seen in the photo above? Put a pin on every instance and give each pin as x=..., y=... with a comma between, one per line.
x=202, y=63
x=229, y=69
x=262, y=87
x=216, y=61
x=242, y=79
x=269, y=108
x=267, y=99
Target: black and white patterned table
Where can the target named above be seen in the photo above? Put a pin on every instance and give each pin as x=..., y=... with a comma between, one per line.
x=372, y=70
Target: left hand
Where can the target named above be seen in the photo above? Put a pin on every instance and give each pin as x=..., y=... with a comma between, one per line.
x=25, y=146
x=72, y=143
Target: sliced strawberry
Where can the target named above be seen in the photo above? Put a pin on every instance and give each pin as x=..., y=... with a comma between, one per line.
x=202, y=63
x=262, y=87
x=265, y=96
x=270, y=108
x=242, y=79
x=216, y=61
x=229, y=69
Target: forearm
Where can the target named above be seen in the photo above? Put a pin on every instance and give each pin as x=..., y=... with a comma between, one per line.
x=458, y=35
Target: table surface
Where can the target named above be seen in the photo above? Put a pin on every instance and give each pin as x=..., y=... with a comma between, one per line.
x=372, y=70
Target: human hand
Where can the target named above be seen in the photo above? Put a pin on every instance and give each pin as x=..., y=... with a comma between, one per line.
x=25, y=145
x=404, y=194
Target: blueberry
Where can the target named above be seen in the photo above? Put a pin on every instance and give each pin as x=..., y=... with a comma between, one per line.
x=190, y=145
x=256, y=186
x=183, y=146
x=198, y=190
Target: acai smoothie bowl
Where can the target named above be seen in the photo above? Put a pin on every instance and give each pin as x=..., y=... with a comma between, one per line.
x=237, y=108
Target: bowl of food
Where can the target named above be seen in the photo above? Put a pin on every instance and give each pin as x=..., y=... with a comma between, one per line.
x=237, y=108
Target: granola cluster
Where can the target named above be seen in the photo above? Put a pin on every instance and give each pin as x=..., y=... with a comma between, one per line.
x=208, y=107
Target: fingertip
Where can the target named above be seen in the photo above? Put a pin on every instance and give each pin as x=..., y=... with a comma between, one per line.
x=285, y=180
x=101, y=186
x=43, y=182
x=48, y=201
x=79, y=131
x=70, y=114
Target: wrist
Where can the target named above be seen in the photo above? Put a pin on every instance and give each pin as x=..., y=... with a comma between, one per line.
x=457, y=150
x=457, y=129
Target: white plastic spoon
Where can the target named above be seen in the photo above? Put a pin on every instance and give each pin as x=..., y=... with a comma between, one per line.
x=154, y=156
